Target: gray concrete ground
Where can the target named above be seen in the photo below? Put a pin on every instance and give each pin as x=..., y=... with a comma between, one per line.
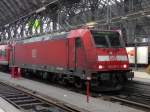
x=142, y=76
x=78, y=100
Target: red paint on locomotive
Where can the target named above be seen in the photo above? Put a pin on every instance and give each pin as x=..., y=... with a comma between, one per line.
x=80, y=53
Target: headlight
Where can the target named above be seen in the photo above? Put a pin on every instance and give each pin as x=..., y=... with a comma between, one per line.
x=100, y=67
x=125, y=66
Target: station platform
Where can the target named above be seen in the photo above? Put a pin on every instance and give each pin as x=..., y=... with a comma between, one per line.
x=68, y=97
x=7, y=107
x=141, y=76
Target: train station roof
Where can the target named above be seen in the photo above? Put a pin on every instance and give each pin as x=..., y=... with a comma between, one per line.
x=11, y=10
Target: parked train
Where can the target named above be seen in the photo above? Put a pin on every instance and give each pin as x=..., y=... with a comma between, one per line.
x=73, y=57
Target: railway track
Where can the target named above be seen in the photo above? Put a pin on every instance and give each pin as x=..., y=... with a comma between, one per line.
x=135, y=94
x=28, y=101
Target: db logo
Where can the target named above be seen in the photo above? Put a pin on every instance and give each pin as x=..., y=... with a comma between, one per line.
x=112, y=58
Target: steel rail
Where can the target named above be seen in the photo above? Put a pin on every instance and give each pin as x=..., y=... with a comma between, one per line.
x=127, y=101
x=25, y=100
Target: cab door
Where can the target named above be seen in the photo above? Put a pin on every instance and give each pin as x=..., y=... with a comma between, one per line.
x=80, y=58
x=76, y=54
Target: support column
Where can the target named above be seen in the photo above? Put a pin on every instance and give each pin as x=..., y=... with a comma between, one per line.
x=15, y=72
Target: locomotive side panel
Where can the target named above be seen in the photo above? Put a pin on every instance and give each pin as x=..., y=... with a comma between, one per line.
x=90, y=50
x=85, y=52
x=51, y=53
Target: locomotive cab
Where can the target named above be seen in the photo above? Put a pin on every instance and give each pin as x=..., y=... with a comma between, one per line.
x=111, y=67
x=110, y=51
x=100, y=55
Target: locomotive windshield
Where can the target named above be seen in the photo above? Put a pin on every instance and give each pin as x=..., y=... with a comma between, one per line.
x=107, y=39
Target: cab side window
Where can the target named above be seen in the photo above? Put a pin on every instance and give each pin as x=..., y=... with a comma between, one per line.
x=78, y=42
x=2, y=53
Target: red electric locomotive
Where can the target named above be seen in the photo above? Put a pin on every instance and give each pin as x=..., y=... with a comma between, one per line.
x=72, y=57
x=4, y=57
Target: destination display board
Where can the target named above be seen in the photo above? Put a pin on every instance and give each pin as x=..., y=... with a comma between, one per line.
x=142, y=54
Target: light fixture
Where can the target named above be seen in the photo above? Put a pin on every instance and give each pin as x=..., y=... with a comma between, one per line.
x=148, y=16
x=91, y=24
x=124, y=17
x=6, y=25
x=40, y=9
x=125, y=66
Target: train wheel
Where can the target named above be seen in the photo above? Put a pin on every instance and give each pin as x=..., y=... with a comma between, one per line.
x=121, y=80
x=62, y=81
x=45, y=75
x=53, y=78
x=79, y=83
x=114, y=80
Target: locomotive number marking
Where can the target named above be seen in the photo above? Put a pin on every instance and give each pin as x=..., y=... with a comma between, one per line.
x=112, y=58
x=34, y=53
